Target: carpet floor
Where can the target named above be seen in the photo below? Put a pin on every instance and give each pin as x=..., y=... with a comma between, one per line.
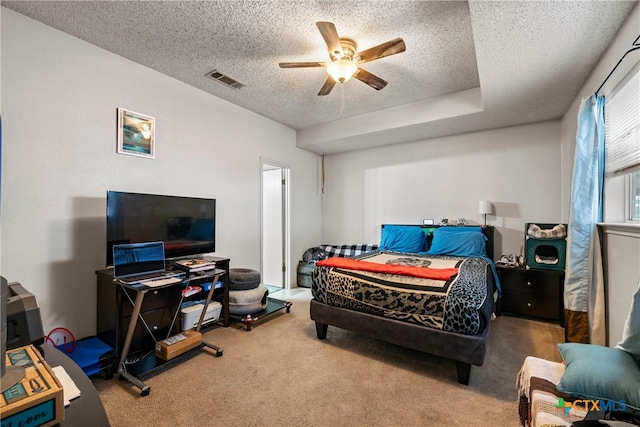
x=280, y=374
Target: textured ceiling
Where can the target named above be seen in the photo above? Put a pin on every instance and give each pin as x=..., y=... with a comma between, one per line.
x=468, y=66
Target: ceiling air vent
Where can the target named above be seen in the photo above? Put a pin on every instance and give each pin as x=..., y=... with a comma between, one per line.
x=224, y=79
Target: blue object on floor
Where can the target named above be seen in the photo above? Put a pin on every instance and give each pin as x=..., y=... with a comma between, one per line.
x=91, y=354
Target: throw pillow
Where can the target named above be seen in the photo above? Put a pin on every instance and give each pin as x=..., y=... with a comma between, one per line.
x=600, y=373
x=402, y=239
x=465, y=244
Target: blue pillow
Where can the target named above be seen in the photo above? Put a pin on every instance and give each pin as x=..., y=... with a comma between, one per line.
x=459, y=243
x=402, y=238
x=600, y=373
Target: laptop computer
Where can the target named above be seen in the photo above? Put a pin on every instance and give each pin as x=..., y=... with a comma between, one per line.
x=142, y=264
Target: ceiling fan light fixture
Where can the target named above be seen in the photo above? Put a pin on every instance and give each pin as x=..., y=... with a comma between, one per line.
x=341, y=70
x=346, y=59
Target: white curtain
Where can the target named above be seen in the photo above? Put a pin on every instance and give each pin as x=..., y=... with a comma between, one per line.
x=584, y=283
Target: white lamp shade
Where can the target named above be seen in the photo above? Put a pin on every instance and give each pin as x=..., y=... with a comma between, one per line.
x=485, y=207
x=341, y=70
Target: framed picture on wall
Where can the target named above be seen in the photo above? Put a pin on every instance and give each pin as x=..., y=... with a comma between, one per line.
x=136, y=134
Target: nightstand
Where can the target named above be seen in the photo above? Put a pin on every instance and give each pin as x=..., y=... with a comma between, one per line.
x=534, y=293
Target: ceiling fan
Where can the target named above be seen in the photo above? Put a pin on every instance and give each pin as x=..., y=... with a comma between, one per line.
x=345, y=60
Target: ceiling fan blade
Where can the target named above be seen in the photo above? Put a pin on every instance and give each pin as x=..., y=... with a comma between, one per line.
x=327, y=86
x=331, y=38
x=302, y=64
x=366, y=77
x=385, y=49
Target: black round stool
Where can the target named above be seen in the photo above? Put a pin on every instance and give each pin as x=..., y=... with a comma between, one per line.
x=246, y=295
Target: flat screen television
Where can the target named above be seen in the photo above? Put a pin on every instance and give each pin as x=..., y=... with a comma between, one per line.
x=186, y=225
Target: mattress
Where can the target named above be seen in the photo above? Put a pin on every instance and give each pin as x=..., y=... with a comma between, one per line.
x=456, y=302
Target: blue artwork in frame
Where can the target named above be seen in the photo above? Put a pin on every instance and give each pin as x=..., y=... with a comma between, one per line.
x=136, y=134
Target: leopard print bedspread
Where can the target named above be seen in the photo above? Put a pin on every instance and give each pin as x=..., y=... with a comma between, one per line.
x=451, y=305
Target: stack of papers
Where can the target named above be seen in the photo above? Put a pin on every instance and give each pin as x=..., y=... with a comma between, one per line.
x=69, y=388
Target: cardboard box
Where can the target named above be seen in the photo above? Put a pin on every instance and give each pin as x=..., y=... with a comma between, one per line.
x=177, y=344
x=191, y=314
x=37, y=399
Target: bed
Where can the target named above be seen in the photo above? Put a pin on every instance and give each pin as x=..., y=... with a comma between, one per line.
x=432, y=289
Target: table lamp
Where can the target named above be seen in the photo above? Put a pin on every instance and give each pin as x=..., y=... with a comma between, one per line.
x=484, y=209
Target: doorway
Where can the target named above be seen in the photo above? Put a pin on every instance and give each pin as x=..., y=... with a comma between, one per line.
x=275, y=225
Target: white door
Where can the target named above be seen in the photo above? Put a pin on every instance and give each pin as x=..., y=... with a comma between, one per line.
x=275, y=225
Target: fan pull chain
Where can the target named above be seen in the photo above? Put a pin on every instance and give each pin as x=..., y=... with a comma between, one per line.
x=341, y=100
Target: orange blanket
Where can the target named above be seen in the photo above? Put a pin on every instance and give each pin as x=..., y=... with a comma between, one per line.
x=405, y=270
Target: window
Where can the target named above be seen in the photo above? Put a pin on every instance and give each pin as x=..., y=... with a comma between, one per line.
x=634, y=185
x=622, y=120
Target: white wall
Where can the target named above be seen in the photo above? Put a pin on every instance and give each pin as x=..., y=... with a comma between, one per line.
x=622, y=276
x=621, y=43
x=516, y=168
x=59, y=100
x=621, y=243
x=525, y=171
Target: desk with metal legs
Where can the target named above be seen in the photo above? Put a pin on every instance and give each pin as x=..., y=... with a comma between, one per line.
x=135, y=316
x=122, y=367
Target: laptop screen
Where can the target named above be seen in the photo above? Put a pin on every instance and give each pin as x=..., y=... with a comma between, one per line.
x=138, y=258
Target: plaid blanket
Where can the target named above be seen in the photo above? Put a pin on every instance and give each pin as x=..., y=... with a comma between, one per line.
x=318, y=253
x=347, y=250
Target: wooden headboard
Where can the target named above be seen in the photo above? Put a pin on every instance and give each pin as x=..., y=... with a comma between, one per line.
x=487, y=231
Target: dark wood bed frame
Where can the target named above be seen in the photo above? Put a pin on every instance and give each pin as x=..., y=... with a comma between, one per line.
x=465, y=350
